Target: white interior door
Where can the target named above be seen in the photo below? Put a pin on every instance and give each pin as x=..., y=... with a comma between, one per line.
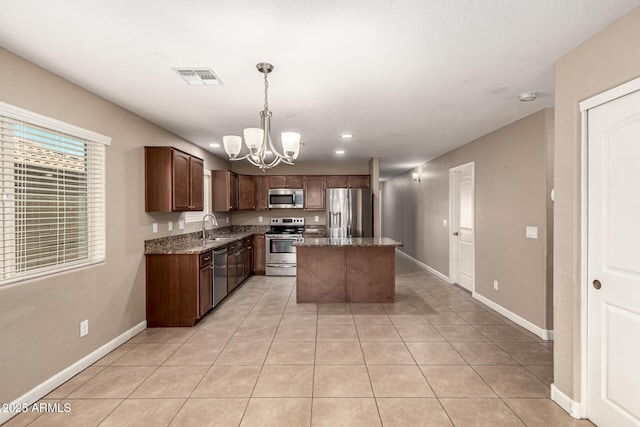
x=462, y=224
x=613, y=318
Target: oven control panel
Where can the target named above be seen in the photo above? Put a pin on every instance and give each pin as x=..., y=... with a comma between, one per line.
x=287, y=221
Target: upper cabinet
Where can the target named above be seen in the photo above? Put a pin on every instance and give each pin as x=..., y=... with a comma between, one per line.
x=224, y=191
x=246, y=192
x=348, y=181
x=174, y=180
x=261, y=190
x=286, y=181
x=314, y=192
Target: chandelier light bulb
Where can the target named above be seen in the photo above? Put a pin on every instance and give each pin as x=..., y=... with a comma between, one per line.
x=253, y=138
x=232, y=145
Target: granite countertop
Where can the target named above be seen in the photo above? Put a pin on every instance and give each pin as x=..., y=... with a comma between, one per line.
x=350, y=241
x=192, y=244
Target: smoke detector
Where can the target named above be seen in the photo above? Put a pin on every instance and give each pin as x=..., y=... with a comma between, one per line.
x=528, y=96
x=200, y=76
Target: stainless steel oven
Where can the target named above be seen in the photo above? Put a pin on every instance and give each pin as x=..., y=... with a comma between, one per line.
x=281, y=254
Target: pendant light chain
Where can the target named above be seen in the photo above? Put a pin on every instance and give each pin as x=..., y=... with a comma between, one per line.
x=266, y=89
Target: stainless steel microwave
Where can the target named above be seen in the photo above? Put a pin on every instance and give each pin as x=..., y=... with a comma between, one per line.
x=286, y=198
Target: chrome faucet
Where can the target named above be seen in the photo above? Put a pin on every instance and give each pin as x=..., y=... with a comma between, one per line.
x=204, y=219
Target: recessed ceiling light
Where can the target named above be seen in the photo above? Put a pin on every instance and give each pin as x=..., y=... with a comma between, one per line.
x=528, y=96
x=346, y=136
x=214, y=145
x=339, y=151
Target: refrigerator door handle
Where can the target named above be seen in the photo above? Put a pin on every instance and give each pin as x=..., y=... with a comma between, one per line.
x=336, y=219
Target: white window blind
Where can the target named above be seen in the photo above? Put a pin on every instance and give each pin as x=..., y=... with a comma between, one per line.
x=52, y=178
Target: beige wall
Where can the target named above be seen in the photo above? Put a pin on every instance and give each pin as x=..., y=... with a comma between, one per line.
x=511, y=193
x=605, y=61
x=40, y=318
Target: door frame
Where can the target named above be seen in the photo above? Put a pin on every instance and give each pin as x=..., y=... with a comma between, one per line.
x=618, y=92
x=454, y=261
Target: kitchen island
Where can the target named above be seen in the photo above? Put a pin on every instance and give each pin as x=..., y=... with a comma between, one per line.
x=359, y=269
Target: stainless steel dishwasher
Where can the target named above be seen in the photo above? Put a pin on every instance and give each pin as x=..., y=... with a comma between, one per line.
x=219, y=276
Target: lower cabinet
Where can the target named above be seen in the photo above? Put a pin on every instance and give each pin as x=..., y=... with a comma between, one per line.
x=178, y=289
x=204, y=283
x=259, y=254
x=239, y=262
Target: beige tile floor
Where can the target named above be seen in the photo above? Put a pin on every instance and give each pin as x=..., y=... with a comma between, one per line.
x=435, y=358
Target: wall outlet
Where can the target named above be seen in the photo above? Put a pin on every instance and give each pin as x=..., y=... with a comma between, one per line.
x=181, y=224
x=316, y=218
x=532, y=232
x=260, y=218
x=155, y=227
x=84, y=328
x=170, y=225
x=227, y=220
x=495, y=285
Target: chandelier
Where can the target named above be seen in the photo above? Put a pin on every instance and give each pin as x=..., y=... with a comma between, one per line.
x=258, y=140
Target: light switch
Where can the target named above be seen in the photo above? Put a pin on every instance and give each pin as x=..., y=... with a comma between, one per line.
x=170, y=225
x=317, y=218
x=532, y=232
x=444, y=222
x=181, y=224
x=155, y=227
x=260, y=218
x=227, y=220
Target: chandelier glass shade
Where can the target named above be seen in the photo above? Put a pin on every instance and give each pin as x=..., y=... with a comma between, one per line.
x=258, y=140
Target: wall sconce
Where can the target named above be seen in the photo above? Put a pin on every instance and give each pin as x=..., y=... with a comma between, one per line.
x=416, y=176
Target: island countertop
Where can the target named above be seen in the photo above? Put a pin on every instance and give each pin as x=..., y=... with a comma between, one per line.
x=347, y=242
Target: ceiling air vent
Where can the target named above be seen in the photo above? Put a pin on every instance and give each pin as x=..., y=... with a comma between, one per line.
x=200, y=76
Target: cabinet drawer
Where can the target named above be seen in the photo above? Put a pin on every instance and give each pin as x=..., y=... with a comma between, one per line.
x=234, y=247
x=205, y=259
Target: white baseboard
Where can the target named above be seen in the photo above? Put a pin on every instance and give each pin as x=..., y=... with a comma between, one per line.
x=572, y=407
x=545, y=334
x=431, y=270
x=61, y=377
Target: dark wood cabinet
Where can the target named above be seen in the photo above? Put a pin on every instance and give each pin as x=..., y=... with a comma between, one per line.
x=314, y=192
x=358, y=181
x=196, y=173
x=336, y=181
x=259, y=254
x=224, y=191
x=205, y=288
x=261, y=192
x=248, y=257
x=233, y=252
x=347, y=181
x=178, y=289
x=239, y=262
x=174, y=180
x=286, y=181
x=246, y=192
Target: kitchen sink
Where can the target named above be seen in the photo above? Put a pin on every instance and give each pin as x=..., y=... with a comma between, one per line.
x=220, y=239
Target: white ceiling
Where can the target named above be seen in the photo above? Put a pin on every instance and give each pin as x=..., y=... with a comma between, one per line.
x=411, y=79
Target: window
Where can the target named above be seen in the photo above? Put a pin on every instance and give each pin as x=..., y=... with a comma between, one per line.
x=52, y=182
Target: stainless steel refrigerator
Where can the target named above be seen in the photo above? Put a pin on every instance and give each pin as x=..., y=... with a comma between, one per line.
x=349, y=212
